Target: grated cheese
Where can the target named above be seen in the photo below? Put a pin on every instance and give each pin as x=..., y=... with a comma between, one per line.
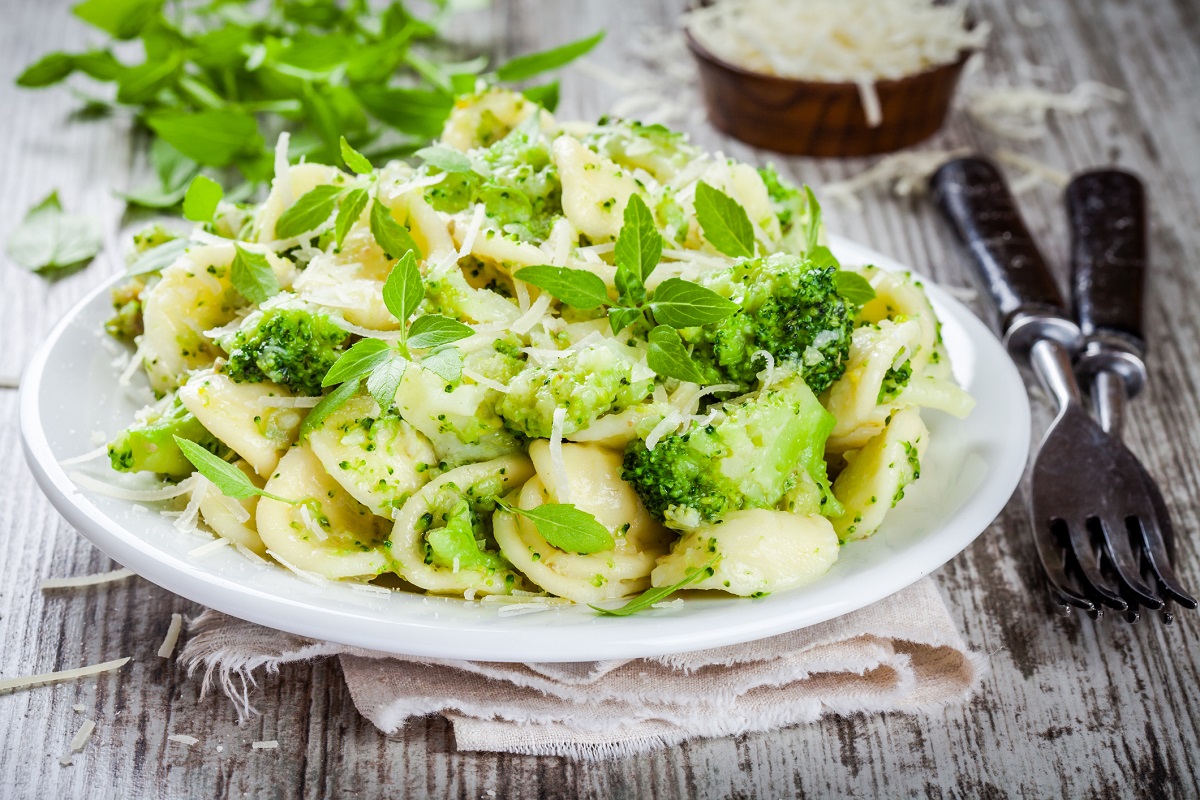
x=311, y=577
x=87, y=580
x=266, y=744
x=368, y=333
x=311, y=523
x=482, y=381
x=137, y=495
x=27, y=682
x=183, y=738
x=187, y=522
x=1035, y=172
x=472, y=230
x=88, y=456
x=168, y=646
x=135, y=361
x=370, y=588
x=1020, y=112
x=533, y=316
x=837, y=41
x=767, y=376
x=904, y=173
x=78, y=707
x=517, y=609
x=80, y=741
x=250, y=554
x=669, y=424
x=207, y=548
x=556, y=455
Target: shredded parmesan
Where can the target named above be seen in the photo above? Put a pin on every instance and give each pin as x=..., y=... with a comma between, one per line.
x=78, y=707
x=172, y=638
x=183, y=738
x=533, y=316
x=556, y=455
x=136, y=495
x=1035, y=172
x=248, y=553
x=1020, y=112
x=472, y=230
x=80, y=741
x=368, y=333
x=904, y=173
x=482, y=381
x=368, y=588
x=311, y=523
x=517, y=609
x=311, y=577
x=88, y=456
x=187, y=521
x=135, y=361
x=767, y=376
x=669, y=424
x=87, y=580
x=207, y=548
x=13, y=684
x=267, y=744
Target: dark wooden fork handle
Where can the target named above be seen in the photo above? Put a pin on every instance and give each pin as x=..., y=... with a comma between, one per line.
x=1107, y=210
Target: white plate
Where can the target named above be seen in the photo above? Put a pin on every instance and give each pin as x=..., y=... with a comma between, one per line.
x=972, y=467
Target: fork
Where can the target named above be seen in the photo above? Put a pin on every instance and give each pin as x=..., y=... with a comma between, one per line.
x=1106, y=210
x=1085, y=484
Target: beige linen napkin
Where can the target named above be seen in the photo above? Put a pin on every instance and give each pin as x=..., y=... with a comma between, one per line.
x=901, y=654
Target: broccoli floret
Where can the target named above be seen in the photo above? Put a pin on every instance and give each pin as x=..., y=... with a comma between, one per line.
x=285, y=341
x=894, y=382
x=790, y=308
x=767, y=451
x=149, y=446
x=126, y=323
x=458, y=544
x=588, y=383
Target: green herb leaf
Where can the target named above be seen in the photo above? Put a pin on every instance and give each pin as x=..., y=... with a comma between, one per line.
x=329, y=403
x=174, y=171
x=403, y=289
x=724, y=222
x=393, y=237
x=364, y=356
x=546, y=95
x=384, y=380
x=350, y=208
x=566, y=527
x=46, y=71
x=669, y=358
x=447, y=159
x=354, y=159
x=637, y=251
x=252, y=276
x=527, y=66
x=683, y=304
x=308, y=213
x=434, y=330
x=159, y=258
x=124, y=19
x=200, y=202
x=822, y=257
x=49, y=240
x=215, y=138
x=445, y=362
x=575, y=287
x=853, y=287
x=418, y=112
x=812, y=233
x=621, y=318
x=652, y=596
x=230, y=480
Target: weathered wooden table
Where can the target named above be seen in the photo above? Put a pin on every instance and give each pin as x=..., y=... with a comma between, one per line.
x=1070, y=708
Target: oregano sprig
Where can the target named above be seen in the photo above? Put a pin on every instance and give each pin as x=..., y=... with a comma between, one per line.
x=230, y=480
x=652, y=596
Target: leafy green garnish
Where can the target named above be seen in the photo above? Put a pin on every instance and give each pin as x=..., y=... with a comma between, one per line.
x=355, y=160
x=357, y=362
x=393, y=237
x=252, y=276
x=812, y=233
x=652, y=596
x=637, y=251
x=853, y=287
x=384, y=380
x=308, y=213
x=403, y=289
x=349, y=210
x=724, y=222
x=230, y=480
x=527, y=66
x=668, y=357
x=329, y=403
x=575, y=287
x=159, y=258
x=566, y=527
x=200, y=201
x=50, y=241
x=683, y=304
x=447, y=159
x=434, y=330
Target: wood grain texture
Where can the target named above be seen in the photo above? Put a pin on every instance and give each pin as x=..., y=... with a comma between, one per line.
x=1071, y=708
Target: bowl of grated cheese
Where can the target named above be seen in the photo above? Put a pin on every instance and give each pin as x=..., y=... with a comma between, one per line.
x=830, y=77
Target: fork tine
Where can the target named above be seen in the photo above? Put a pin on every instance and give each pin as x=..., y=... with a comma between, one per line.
x=1152, y=531
x=1088, y=561
x=1054, y=563
x=1124, y=563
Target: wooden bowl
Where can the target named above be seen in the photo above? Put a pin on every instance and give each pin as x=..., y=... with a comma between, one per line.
x=812, y=118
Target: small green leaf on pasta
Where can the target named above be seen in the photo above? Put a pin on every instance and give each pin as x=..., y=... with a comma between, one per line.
x=575, y=287
x=669, y=358
x=393, y=237
x=445, y=362
x=230, y=480
x=812, y=233
x=310, y=212
x=384, y=380
x=568, y=528
x=356, y=362
x=683, y=304
x=200, y=201
x=853, y=287
x=433, y=330
x=621, y=318
x=652, y=596
x=329, y=403
x=252, y=276
x=447, y=159
x=637, y=251
x=403, y=289
x=354, y=159
x=350, y=208
x=724, y=222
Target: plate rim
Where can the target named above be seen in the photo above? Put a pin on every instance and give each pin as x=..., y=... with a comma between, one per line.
x=634, y=637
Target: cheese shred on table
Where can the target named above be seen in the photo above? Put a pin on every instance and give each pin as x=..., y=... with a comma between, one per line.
x=29, y=681
x=87, y=580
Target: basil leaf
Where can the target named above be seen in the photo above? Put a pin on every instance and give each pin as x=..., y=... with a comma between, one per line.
x=683, y=304
x=724, y=222
x=854, y=288
x=308, y=213
x=200, y=201
x=545, y=95
x=434, y=330
x=215, y=138
x=393, y=237
x=159, y=258
x=669, y=358
x=354, y=159
x=46, y=71
x=445, y=362
x=350, y=208
x=447, y=159
x=652, y=596
x=124, y=19
x=566, y=527
x=252, y=276
x=419, y=112
x=527, y=66
x=230, y=480
x=329, y=403
x=812, y=233
x=403, y=289
x=384, y=380
x=822, y=257
x=621, y=318
x=49, y=240
x=575, y=287
x=637, y=251
x=364, y=356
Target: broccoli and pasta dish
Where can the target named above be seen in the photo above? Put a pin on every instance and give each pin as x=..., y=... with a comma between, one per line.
x=561, y=359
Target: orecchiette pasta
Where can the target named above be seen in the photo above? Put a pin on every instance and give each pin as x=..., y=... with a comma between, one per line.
x=234, y=519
